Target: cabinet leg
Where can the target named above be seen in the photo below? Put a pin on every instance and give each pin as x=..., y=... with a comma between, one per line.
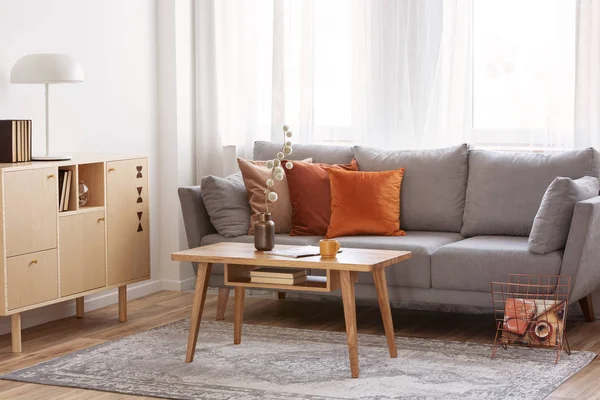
x=123, y=303
x=79, y=307
x=281, y=295
x=15, y=323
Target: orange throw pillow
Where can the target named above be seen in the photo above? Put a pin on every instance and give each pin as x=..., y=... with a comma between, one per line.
x=365, y=203
x=310, y=196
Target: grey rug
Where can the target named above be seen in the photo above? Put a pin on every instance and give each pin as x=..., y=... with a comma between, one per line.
x=279, y=363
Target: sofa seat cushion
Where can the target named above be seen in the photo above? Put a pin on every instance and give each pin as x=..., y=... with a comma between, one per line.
x=280, y=238
x=415, y=272
x=472, y=264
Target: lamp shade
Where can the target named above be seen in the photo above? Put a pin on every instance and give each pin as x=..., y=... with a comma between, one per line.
x=46, y=68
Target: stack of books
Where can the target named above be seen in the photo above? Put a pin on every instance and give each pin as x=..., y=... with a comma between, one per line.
x=15, y=140
x=278, y=276
x=64, y=188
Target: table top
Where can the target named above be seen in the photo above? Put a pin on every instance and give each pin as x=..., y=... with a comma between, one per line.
x=350, y=259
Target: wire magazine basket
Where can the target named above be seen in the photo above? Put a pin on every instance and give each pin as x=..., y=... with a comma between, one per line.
x=531, y=310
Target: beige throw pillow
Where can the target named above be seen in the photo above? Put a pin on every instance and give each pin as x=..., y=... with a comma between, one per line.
x=255, y=175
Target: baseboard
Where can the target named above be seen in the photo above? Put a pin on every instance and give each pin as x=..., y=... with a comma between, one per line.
x=67, y=308
x=179, y=286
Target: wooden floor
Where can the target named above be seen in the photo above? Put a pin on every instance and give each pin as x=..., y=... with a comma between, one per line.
x=57, y=338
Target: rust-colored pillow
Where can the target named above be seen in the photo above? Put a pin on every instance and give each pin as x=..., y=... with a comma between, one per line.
x=310, y=196
x=255, y=175
x=365, y=203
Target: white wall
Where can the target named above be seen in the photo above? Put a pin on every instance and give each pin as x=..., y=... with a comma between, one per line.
x=177, y=139
x=113, y=111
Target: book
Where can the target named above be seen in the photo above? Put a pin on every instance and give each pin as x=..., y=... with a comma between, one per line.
x=15, y=140
x=281, y=273
x=68, y=189
x=297, y=252
x=62, y=189
x=19, y=143
x=278, y=281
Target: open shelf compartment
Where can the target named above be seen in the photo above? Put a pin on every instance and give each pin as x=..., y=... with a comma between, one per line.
x=239, y=275
x=93, y=177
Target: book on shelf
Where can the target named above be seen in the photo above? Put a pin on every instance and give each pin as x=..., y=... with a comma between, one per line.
x=278, y=281
x=68, y=189
x=65, y=178
x=15, y=140
x=62, y=178
x=281, y=273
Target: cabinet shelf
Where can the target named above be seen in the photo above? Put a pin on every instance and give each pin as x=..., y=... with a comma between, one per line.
x=81, y=210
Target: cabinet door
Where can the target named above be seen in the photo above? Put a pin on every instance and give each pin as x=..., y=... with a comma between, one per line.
x=128, y=245
x=31, y=210
x=82, y=252
x=32, y=278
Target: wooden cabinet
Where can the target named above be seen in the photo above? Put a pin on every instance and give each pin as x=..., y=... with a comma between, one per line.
x=50, y=253
x=31, y=198
x=82, y=252
x=127, y=220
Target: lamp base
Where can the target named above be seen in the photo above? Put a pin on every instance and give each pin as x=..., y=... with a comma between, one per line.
x=51, y=158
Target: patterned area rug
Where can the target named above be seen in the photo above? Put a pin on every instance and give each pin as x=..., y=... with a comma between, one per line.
x=280, y=363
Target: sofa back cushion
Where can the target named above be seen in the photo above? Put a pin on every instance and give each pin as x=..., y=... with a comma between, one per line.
x=319, y=153
x=433, y=187
x=504, y=190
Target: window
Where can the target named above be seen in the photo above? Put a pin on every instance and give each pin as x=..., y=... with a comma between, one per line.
x=523, y=72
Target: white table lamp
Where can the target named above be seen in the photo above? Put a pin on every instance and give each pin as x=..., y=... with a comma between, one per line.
x=46, y=69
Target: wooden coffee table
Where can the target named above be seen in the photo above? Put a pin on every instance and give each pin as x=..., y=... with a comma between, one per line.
x=340, y=273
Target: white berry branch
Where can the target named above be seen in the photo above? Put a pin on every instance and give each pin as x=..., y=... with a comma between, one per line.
x=276, y=169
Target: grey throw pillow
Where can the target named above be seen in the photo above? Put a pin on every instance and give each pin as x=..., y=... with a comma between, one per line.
x=226, y=202
x=553, y=219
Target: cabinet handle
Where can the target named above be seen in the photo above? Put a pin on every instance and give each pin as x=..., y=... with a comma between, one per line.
x=111, y=170
x=33, y=262
x=51, y=176
x=100, y=219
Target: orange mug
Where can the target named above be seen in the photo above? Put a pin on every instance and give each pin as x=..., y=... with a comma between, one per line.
x=329, y=248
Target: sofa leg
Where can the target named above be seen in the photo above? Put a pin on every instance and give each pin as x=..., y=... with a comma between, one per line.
x=587, y=306
x=222, y=303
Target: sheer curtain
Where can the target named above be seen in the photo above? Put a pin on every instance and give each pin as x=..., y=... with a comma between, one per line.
x=587, y=87
x=395, y=74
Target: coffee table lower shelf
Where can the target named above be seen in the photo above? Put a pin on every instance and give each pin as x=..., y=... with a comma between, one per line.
x=239, y=275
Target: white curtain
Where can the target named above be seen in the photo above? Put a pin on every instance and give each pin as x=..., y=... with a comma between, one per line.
x=395, y=74
x=587, y=87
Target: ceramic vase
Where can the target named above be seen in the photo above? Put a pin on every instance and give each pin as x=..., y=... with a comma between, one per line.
x=264, y=232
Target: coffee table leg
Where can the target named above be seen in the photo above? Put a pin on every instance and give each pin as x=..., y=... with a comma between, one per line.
x=199, y=299
x=347, y=284
x=240, y=292
x=386, y=312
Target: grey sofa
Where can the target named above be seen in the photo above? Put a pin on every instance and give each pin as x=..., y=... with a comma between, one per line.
x=467, y=214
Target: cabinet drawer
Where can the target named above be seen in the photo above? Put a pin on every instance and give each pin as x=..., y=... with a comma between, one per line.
x=32, y=278
x=82, y=253
x=31, y=210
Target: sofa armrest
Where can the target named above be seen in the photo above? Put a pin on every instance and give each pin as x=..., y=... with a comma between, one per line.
x=195, y=217
x=581, y=259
